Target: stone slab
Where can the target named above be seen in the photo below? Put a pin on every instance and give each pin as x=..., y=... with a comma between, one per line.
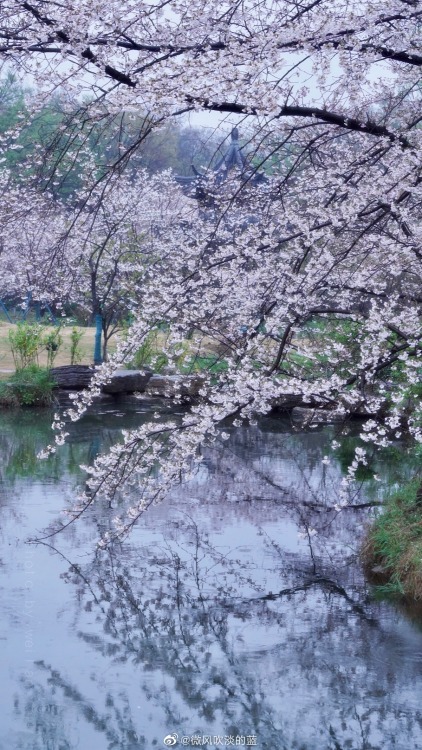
x=72, y=377
x=128, y=381
x=174, y=386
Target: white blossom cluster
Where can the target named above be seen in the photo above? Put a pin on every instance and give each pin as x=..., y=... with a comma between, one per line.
x=303, y=271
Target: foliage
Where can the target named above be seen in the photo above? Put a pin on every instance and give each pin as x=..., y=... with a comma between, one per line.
x=148, y=355
x=75, y=352
x=394, y=543
x=28, y=386
x=155, y=352
x=204, y=363
x=52, y=341
x=26, y=342
x=52, y=126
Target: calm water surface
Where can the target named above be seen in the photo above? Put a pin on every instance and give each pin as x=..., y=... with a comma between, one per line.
x=224, y=618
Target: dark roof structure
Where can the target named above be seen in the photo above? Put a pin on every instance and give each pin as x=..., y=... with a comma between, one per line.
x=195, y=186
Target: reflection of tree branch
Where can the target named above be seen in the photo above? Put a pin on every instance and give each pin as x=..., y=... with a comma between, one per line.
x=177, y=567
x=362, y=732
x=324, y=583
x=126, y=730
x=74, y=568
x=257, y=472
x=178, y=636
x=309, y=538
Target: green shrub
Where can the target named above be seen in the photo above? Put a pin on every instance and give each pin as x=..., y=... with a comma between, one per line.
x=52, y=342
x=26, y=342
x=29, y=386
x=204, y=363
x=149, y=356
x=394, y=543
x=75, y=352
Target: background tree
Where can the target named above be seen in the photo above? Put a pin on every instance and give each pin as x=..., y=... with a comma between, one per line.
x=94, y=257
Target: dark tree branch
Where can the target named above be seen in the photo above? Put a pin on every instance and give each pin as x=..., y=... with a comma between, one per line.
x=333, y=118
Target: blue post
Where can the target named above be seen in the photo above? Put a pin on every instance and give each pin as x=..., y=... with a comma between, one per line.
x=97, y=346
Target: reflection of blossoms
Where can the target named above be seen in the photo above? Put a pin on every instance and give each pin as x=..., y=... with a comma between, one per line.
x=308, y=534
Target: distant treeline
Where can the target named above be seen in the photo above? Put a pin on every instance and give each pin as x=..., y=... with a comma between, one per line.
x=59, y=150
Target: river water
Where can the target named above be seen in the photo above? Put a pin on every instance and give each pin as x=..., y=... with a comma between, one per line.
x=236, y=614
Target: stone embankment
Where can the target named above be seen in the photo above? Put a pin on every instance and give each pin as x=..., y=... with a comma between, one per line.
x=126, y=385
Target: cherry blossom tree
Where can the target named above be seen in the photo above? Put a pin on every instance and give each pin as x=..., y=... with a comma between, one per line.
x=310, y=278
x=31, y=227
x=110, y=243
x=93, y=256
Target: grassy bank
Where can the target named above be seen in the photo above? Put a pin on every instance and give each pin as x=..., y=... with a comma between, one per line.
x=392, y=552
x=31, y=386
x=86, y=347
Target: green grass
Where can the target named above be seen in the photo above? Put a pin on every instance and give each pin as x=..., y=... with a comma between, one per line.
x=86, y=346
x=394, y=543
x=31, y=386
x=189, y=358
x=205, y=362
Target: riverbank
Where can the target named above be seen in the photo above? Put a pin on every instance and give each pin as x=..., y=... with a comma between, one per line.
x=392, y=553
x=35, y=386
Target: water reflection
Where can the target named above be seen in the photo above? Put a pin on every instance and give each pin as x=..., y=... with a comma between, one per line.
x=223, y=615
